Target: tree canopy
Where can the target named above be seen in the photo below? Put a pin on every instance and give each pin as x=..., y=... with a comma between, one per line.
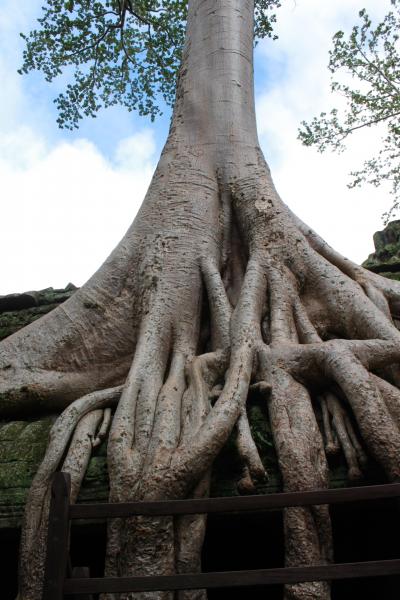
x=123, y=52
x=370, y=56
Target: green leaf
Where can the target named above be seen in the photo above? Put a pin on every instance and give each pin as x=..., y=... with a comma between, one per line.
x=118, y=52
x=370, y=55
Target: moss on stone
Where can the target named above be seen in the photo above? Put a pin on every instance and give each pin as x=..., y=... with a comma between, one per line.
x=22, y=448
x=389, y=275
x=19, y=310
x=10, y=431
x=386, y=258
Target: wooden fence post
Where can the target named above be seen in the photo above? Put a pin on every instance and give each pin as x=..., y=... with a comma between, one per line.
x=81, y=584
x=57, y=538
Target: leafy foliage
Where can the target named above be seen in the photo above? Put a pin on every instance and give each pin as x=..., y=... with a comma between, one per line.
x=371, y=56
x=123, y=52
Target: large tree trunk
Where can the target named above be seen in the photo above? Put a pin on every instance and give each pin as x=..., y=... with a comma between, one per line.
x=215, y=287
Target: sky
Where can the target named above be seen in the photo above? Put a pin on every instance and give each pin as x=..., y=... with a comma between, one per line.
x=66, y=198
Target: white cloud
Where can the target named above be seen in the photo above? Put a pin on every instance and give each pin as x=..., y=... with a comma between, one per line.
x=66, y=206
x=133, y=153
x=21, y=148
x=315, y=185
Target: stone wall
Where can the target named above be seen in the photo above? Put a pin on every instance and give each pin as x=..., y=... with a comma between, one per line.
x=386, y=258
x=18, y=310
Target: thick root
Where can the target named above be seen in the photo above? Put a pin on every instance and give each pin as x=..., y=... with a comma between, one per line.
x=340, y=433
x=299, y=446
x=187, y=432
x=79, y=421
x=377, y=427
x=254, y=470
x=190, y=531
x=80, y=450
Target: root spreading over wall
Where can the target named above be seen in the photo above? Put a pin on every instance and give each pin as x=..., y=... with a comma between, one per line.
x=215, y=289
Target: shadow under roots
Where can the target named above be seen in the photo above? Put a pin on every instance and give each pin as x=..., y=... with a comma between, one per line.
x=364, y=531
x=244, y=542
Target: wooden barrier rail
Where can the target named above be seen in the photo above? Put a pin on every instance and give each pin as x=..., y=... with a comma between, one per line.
x=230, y=579
x=57, y=585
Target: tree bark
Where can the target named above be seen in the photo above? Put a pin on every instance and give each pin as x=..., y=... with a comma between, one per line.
x=215, y=287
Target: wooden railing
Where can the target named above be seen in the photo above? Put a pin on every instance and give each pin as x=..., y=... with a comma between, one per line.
x=57, y=584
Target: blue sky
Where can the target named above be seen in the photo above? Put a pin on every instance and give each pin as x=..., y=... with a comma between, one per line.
x=37, y=96
x=67, y=198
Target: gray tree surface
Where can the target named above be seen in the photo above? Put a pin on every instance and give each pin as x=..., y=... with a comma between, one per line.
x=216, y=287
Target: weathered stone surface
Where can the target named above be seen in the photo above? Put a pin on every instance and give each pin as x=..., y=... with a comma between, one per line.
x=18, y=310
x=23, y=444
x=386, y=258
